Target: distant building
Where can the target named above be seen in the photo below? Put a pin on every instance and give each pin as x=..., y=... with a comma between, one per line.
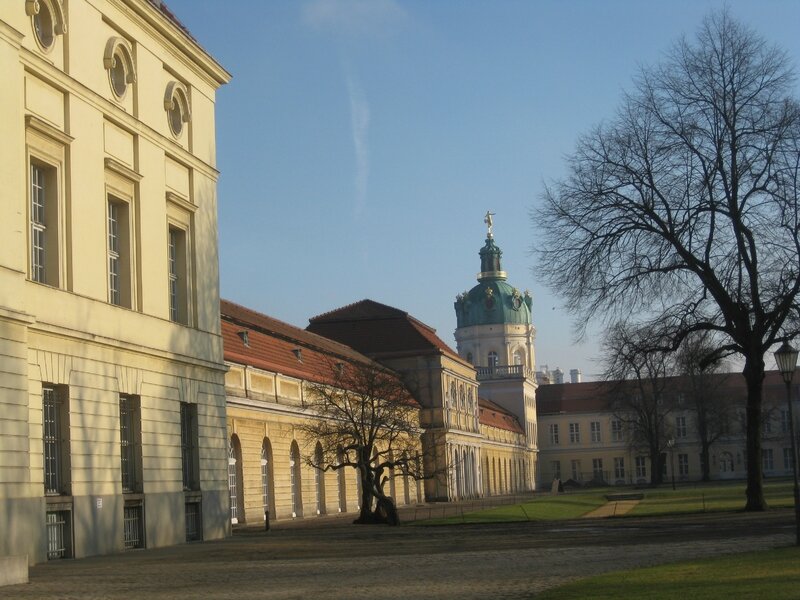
x=112, y=419
x=575, y=376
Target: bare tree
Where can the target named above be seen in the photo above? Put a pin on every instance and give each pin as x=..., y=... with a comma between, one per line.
x=702, y=386
x=366, y=419
x=682, y=211
x=638, y=398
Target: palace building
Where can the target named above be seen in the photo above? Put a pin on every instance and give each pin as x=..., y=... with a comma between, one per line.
x=113, y=407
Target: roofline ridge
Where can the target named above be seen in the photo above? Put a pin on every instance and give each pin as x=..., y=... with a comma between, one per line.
x=356, y=303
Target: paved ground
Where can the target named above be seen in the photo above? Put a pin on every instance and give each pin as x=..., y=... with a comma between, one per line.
x=612, y=509
x=328, y=558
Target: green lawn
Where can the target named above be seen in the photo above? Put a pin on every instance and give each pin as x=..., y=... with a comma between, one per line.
x=774, y=574
x=545, y=508
x=708, y=498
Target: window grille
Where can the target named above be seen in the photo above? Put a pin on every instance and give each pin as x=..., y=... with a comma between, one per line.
x=264, y=480
x=52, y=417
x=189, y=445
x=127, y=438
x=134, y=527
x=59, y=534
x=232, y=484
x=194, y=522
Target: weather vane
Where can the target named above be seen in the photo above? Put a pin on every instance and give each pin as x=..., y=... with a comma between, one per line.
x=489, y=221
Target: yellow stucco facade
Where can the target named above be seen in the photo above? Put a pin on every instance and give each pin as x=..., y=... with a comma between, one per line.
x=113, y=410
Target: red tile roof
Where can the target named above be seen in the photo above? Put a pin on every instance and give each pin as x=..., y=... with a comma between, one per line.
x=273, y=345
x=595, y=396
x=494, y=415
x=379, y=330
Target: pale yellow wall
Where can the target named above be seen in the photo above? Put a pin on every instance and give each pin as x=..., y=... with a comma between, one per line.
x=257, y=410
x=58, y=105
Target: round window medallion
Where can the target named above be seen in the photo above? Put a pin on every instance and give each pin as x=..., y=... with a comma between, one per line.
x=118, y=77
x=175, y=116
x=43, y=26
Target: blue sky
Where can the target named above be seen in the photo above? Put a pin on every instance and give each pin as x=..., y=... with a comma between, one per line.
x=361, y=141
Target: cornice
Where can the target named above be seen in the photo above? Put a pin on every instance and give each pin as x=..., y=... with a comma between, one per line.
x=44, y=70
x=214, y=72
x=11, y=35
x=117, y=167
x=35, y=123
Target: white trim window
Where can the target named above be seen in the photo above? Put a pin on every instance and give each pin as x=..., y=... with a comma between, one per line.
x=680, y=427
x=553, y=434
x=574, y=433
x=114, y=292
x=595, y=431
x=38, y=223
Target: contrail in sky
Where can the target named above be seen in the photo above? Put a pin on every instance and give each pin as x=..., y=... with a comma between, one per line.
x=359, y=124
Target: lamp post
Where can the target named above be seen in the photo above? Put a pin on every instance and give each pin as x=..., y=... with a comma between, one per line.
x=671, y=446
x=786, y=357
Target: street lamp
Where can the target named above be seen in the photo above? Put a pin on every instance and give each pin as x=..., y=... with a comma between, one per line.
x=671, y=446
x=786, y=357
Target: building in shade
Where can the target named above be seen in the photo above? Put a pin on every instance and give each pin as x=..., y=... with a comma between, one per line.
x=113, y=404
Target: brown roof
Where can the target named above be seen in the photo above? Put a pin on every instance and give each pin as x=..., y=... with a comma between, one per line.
x=596, y=396
x=379, y=330
x=494, y=415
x=273, y=345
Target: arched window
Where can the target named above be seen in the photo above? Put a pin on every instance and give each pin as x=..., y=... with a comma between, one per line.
x=342, y=481
x=267, y=483
x=319, y=479
x=295, y=480
x=519, y=356
x=118, y=61
x=487, y=489
x=492, y=359
x=234, y=479
x=453, y=393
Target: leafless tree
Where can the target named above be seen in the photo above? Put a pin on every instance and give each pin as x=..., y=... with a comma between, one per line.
x=366, y=419
x=681, y=212
x=638, y=378
x=702, y=385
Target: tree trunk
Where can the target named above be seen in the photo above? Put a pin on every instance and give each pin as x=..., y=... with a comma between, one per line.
x=705, y=453
x=754, y=376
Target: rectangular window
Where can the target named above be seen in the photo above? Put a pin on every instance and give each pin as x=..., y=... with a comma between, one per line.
x=58, y=524
x=619, y=467
x=189, y=450
x=178, y=310
x=788, y=462
x=641, y=467
x=133, y=531
x=785, y=421
x=683, y=465
x=680, y=427
x=194, y=522
x=766, y=424
x=597, y=469
x=576, y=470
x=55, y=437
x=555, y=466
x=616, y=430
x=595, y=431
x=119, y=254
x=554, y=434
x=574, y=433
x=44, y=243
x=766, y=460
x=130, y=444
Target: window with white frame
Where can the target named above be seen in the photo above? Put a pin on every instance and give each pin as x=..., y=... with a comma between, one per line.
x=597, y=469
x=641, y=467
x=119, y=255
x=575, y=466
x=555, y=466
x=680, y=427
x=767, y=460
x=785, y=421
x=788, y=461
x=265, y=479
x=683, y=465
x=553, y=434
x=55, y=438
x=492, y=359
x=233, y=492
x=616, y=430
x=619, y=467
x=574, y=433
x=594, y=428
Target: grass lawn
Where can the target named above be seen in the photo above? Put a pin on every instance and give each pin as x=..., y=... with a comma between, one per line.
x=545, y=508
x=774, y=574
x=708, y=498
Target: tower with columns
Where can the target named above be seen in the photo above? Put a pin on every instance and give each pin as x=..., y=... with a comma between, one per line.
x=495, y=333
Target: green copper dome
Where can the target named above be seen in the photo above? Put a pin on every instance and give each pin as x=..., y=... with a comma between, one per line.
x=492, y=301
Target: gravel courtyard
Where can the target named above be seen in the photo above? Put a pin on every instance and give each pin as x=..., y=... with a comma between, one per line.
x=329, y=558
